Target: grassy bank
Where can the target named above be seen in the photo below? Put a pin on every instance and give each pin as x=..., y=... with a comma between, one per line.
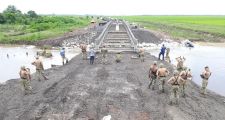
x=196, y=28
x=41, y=28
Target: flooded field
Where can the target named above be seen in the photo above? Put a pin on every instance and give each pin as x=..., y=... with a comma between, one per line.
x=196, y=59
x=10, y=66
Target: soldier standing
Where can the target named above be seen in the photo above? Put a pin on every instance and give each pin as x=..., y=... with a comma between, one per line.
x=84, y=51
x=175, y=82
x=39, y=69
x=25, y=80
x=167, y=58
x=185, y=74
x=152, y=75
x=205, y=77
x=104, y=51
x=118, y=57
x=161, y=76
x=180, y=63
x=142, y=54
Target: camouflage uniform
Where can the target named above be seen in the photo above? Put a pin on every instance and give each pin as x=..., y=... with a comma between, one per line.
x=161, y=77
x=39, y=69
x=204, y=85
x=26, y=85
x=104, y=51
x=39, y=74
x=180, y=69
x=174, y=97
x=118, y=57
x=161, y=83
x=180, y=65
x=183, y=85
x=175, y=82
x=142, y=55
x=25, y=80
x=205, y=77
x=84, y=51
x=153, y=81
x=84, y=54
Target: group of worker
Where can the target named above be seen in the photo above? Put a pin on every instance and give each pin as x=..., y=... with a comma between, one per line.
x=26, y=77
x=178, y=82
x=92, y=54
x=159, y=73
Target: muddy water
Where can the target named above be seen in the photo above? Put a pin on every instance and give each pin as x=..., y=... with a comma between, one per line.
x=10, y=66
x=196, y=59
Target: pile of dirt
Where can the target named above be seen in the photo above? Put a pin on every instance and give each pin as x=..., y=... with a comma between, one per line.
x=88, y=34
x=146, y=36
x=80, y=91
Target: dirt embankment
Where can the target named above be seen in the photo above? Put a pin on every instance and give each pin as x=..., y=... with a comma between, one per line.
x=146, y=36
x=88, y=34
x=79, y=91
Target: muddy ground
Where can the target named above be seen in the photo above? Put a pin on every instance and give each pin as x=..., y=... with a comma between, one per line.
x=144, y=36
x=79, y=91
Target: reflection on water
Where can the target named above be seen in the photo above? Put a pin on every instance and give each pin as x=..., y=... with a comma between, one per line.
x=10, y=64
x=196, y=59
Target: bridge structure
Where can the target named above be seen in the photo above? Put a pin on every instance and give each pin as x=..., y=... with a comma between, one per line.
x=117, y=37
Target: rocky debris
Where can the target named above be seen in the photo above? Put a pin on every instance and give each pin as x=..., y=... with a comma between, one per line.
x=86, y=35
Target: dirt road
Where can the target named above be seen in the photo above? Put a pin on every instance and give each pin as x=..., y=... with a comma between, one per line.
x=79, y=91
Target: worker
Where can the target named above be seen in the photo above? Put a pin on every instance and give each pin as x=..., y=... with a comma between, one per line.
x=152, y=75
x=205, y=77
x=161, y=73
x=39, y=68
x=25, y=79
x=162, y=52
x=175, y=82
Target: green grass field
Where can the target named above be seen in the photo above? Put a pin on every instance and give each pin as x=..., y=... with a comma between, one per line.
x=47, y=28
x=196, y=28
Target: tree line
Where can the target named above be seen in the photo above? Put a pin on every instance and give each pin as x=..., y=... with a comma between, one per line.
x=35, y=22
x=11, y=15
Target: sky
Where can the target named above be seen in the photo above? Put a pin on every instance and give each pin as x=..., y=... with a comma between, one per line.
x=119, y=7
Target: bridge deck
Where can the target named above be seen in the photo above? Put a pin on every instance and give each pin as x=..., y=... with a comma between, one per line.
x=117, y=38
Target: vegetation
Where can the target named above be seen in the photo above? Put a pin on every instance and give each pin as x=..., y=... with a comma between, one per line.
x=16, y=27
x=208, y=28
